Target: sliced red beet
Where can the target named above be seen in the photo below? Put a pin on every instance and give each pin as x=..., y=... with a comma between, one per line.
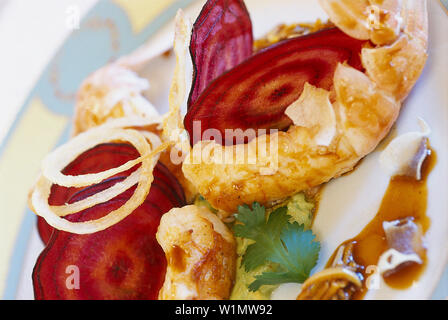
x=89, y=191
x=100, y=158
x=221, y=39
x=122, y=262
x=161, y=193
x=256, y=93
x=168, y=193
x=165, y=175
x=44, y=229
x=97, y=159
x=104, y=157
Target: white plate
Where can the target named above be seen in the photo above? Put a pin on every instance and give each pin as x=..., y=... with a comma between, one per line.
x=348, y=203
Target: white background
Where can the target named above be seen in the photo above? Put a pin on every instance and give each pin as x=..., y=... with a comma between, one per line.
x=30, y=34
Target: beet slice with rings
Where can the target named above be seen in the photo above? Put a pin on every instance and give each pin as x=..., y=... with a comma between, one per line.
x=256, y=93
x=104, y=157
x=221, y=39
x=44, y=229
x=122, y=262
x=100, y=158
x=167, y=192
x=165, y=175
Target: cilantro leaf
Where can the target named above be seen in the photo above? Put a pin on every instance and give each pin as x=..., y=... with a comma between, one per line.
x=306, y=249
x=278, y=241
x=252, y=219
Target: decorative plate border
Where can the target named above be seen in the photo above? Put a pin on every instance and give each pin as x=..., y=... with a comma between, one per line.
x=105, y=33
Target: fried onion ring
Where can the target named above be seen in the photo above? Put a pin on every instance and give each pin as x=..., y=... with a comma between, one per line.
x=55, y=162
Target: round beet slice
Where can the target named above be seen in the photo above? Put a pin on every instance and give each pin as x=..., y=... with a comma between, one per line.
x=221, y=39
x=100, y=158
x=122, y=262
x=172, y=181
x=162, y=173
x=44, y=229
x=104, y=157
x=256, y=93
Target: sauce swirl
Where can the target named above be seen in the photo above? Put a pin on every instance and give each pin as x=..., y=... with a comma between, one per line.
x=404, y=198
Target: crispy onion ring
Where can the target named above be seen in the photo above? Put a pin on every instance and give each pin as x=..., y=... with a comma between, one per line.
x=42, y=192
x=137, y=123
x=59, y=159
x=152, y=138
x=101, y=197
x=132, y=122
x=55, y=162
x=173, y=127
x=112, y=192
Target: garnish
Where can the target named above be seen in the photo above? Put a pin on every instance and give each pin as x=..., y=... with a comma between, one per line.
x=279, y=241
x=54, y=164
x=123, y=261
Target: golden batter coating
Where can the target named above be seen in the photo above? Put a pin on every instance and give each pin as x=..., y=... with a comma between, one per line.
x=201, y=255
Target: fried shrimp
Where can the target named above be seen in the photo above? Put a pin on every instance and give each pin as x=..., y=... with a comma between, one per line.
x=333, y=130
x=113, y=91
x=201, y=255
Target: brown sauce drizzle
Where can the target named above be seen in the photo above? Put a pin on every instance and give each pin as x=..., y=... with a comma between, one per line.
x=176, y=258
x=404, y=198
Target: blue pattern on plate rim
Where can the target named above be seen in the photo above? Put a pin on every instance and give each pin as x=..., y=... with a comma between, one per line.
x=105, y=34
